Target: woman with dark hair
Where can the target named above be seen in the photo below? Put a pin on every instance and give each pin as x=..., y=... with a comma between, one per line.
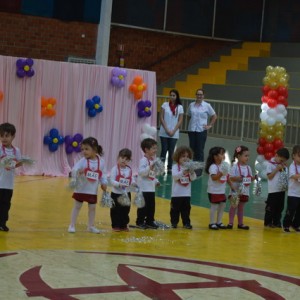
x=171, y=116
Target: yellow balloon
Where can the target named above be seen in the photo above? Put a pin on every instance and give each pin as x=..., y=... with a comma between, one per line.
x=96, y=105
x=272, y=75
x=270, y=138
x=279, y=134
x=55, y=140
x=49, y=106
x=264, y=126
x=75, y=144
x=266, y=80
x=279, y=126
x=263, y=133
x=269, y=69
x=282, y=81
x=271, y=129
x=26, y=68
x=273, y=85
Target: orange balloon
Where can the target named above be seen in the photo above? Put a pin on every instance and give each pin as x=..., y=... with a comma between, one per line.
x=138, y=80
x=138, y=95
x=1, y=95
x=44, y=111
x=52, y=101
x=44, y=102
x=133, y=88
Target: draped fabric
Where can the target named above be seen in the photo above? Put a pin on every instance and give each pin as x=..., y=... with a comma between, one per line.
x=116, y=127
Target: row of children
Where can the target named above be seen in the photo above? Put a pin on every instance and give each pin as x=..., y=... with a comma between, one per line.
x=92, y=167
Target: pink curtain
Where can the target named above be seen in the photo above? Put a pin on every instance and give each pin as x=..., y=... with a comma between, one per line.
x=116, y=127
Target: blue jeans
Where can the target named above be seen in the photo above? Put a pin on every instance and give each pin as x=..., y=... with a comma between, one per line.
x=197, y=143
x=167, y=145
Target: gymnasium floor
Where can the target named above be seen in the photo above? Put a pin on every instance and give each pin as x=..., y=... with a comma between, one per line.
x=39, y=259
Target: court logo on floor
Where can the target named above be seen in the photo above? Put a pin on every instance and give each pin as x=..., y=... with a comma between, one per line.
x=71, y=275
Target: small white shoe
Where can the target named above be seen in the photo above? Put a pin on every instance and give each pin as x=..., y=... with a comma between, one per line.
x=71, y=229
x=93, y=229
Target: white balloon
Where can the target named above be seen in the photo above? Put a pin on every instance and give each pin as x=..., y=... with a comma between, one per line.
x=279, y=117
x=271, y=121
x=260, y=158
x=151, y=130
x=264, y=107
x=280, y=108
x=284, y=112
x=272, y=112
x=283, y=121
x=258, y=167
x=263, y=116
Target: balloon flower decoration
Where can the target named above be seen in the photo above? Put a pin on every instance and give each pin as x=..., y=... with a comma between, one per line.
x=1, y=95
x=47, y=107
x=118, y=77
x=144, y=108
x=148, y=131
x=138, y=87
x=24, y=67
x=93, y=105
x=53, y=140
x=273, y=116
x=73, y=143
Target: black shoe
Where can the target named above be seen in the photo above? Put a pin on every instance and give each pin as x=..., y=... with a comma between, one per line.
x=242, y=226
x=229, y=226
x=297, y=229
x=187, y=226
x=221, y=226
x=141, y=226
x=286, y=229
x=213, y=226
x=151, y=225
x=169, y=172
x=174, y=226
x=277, y=225
x=4, y=228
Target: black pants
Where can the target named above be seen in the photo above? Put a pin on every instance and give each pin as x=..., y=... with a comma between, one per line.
x=292, y=214
x=5, y=204
x=274, y=208
x=119, y=214
x=146, y=213
x=167, y=145
x=197, y=143
x=180, y=206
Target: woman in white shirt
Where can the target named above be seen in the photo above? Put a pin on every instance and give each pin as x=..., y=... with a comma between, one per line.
x=202, y=117
x=171, y=117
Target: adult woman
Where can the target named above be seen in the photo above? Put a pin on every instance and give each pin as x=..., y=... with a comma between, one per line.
x=171, y=117
x=202, y=117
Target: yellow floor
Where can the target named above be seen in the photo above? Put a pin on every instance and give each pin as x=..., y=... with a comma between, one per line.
x=38, y=236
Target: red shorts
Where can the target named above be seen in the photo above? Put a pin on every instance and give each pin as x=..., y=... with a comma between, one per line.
x=217, y=198
x=92, y=199
x=244, y=198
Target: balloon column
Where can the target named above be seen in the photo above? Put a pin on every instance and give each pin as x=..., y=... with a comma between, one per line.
x=53, y=140
x=273, y=116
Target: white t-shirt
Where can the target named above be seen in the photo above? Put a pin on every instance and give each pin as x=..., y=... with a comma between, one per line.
x=294, y=185
x=127, y=179
x=146, y=179
x=178, y=189
x=7, y=176
x=273, y=186
x=170, y=120
x=199, y=115
x=216, y=186
x=246, y=172
x=90, y=186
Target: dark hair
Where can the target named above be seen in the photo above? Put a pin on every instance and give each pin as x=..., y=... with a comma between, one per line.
x=177, y=101
x=202, y=90
x=148, y=143
x=125, y=153
x=210, y=159
x=239, y=150
x=7, y=128
x=180, y=151
x=296, y=149
x=93, y=143
x=283, y=152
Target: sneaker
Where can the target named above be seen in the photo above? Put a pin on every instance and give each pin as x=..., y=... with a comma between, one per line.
x=297, y=229
x=221, y=226
x=151, y=225
x=285, y=229
x=141, y=226
x=174, y=226
x=187, y=226
x=93, y=229
x=213, y=226
x=71, y=229
x=116, y=229
x=229, y=226
x=242, y=226
x=4, y=228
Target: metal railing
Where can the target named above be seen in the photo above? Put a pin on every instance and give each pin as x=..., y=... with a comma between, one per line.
x=240, y=120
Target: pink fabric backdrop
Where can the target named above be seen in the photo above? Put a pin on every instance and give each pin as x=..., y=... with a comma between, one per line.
x=116, y=127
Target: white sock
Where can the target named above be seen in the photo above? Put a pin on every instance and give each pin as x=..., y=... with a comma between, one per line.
x=92, y=214
x=75, y=211
x=221, y=211
x=213, y=209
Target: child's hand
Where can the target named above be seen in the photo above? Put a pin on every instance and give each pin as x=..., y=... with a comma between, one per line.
x=103, y=187
x=157, y=184
x=280, y=167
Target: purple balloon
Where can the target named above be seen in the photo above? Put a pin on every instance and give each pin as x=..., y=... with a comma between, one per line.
x=123, y=72
x=115, y=71
x=141, y=113
x=141, y=105
x=89, y=103
x=78, y=137
x=148, y=103
x=148, y=113
x=77, y=149
x=115, y=80
x=29, y=62
x=121, y=83
x=20, y=63
x=69, y=149
x=68, y=139
x=21, y=73
x=30, y=73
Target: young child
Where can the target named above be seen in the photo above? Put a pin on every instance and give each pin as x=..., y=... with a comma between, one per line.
x=275, y=200
x=121, y=179
x=292, y=215
x=91, y=166
x=181, y=188
x=7, y=172
x=240, y=174
x=147, y=183
x=216, y=186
